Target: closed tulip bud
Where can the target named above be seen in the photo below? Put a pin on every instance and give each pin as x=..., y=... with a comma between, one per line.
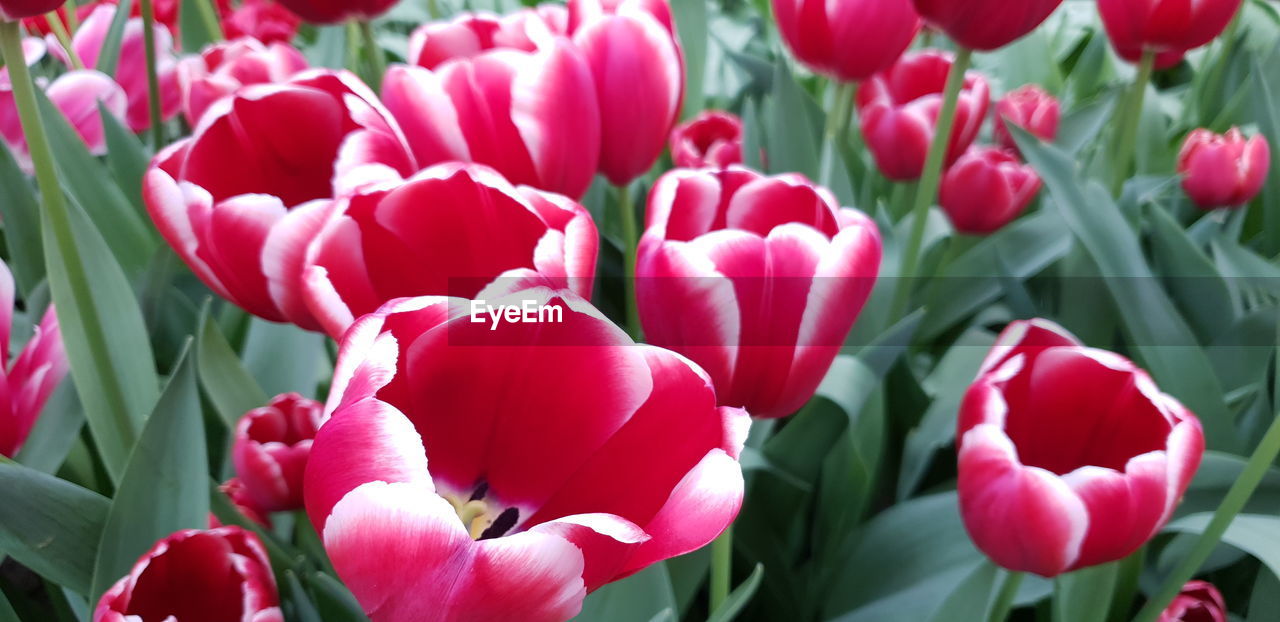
x=216, y=574
x=27, y=382
x=264, y=20
x=986, y=189
x=1199, y=601
x=849, y=40
x=1030, y=108
x=1069, y=456
x=898, y=110
x=1170, y=28
x=239, y=200
x=337, y=11
x=502, y=472
x=224, y=67
x=1223, y=170
x=453, y=229
x=757, y=279
x=712, y=140
x=270, y=452
x=235, y=491
x=986, y=24
x=18, y=9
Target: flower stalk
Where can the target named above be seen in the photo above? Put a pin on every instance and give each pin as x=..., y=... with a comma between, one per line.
x=721, y=568
x=631, y=243
x=153, y=78
x=377, y=59
x=1129, y=120
x=1003, y=604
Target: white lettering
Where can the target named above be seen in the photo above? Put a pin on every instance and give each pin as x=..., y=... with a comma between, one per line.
x=527, y=312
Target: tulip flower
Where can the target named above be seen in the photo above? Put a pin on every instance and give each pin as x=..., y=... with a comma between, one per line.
x=632, y=50
x=27, y=382
x=849, y=40
x=18, y=9
x=985, y=24
x=1199, y=601
x=216, y=574
x=235, y=490
x=1223, y=170
x=898, y=110
x=166, y=12
x=271, y=448
x=76, y=94
x=336, y=11
x=238, y=199
x=1068, y=456
x=224, y=67
x=1169, y=28
x=986, y=189
x=264, y=20
x=501, y=472
x=452, y=229
x=713, y=139
x=488, y=94
x=1030, y=108
x=757, y=279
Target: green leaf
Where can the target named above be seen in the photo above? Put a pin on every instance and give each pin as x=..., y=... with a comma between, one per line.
x=7, y=614
x=1217, y=472
x=55, y=431
x=739, y=597
x=330, y=48
x=794, y=128
x=334, y=600
x=268, y=344
x=637, y=598
x=165, y=486
x=109, y=54
x=49, y=525
x=304, y=610
x=1266, y=106
x=229, y=387
x=127, y=158
x=1264, y=606
x=972, y=599
x=691, y=25
x=1255, y=534
x=195, y=34
x=1085, y=595
x=1196, y=285
x=21, y=217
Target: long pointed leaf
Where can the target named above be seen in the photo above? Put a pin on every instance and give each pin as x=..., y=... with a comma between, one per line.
x=21, y=217
x=49, y=525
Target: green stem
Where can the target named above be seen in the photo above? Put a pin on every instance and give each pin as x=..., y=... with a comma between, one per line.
x=433, y=9
x=377, y=58
x=73, y=20
x=630, y=242
x=1129, y=120
x=929, y=179
x=1004, y=600
x=64, y=38
x=153, y=79
x=24, y=96
x=721, y=568
x=209, y=17
x=837, y=128
x=1127, y=585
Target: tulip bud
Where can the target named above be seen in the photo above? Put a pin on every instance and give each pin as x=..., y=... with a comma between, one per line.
x=216, y=574
x=270, y=452
x=986, y=189
x=235, y=490
x=898, y=110
x=1199, y=601
x=18, y=9
x=224, y=67
x=712, y=140
x=1069, y=456
x=849, y=40
x=1223, y=170
x=1170, y=28
x=264, y=20
x=33, y=375
x=1030, y=108
x=986, y=24
x=757, y=279
x=76, y=94
x=337, y=11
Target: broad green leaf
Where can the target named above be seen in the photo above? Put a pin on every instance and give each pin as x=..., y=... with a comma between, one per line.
x=333, y=599
x=304, y=610
x=109, y=54
x=228, y=385
x=165, y=486
x=1218, y=471
x=739, y=597
x=21, y=216
x=1264, y=606
x=691, y=24
x=850, y=469
x=127, y=158
x=1255, y=534
x=972, y=599
x=688, y=573
x=55, y=431
x=1085, y=595
x=637, y=598
x=330, y=48
x=1195, y=284
x=195, y=33
x=794, y=128
x=1266, y=106
x=7, y=614
x=49, y=525
x=301, y=352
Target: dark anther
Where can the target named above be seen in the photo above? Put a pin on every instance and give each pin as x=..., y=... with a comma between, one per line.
x=481, y=491
x=506, y=520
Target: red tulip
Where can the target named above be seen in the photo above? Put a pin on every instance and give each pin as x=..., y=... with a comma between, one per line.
x=18, y=9
x=76, y=94
x=235, y=491
x=639, y=79
x=494, y=97
x=1030, y=108
x=271, y=448
x=224, y=67
x=218, y=574
x=986, y=24
x=899, y=108
x=1199, y=601
x=1068, y=456
x=1168, y=27
x=472, y=34
x=757, y=279
x=337, y=11
x=264, y=20
x=453, y=229
x=849, y=40
x=500, y=472
x=1223, y=170
x=27, y=383
x=236, y=200
x=986, y=189
x=166, y=13
x=713, y=139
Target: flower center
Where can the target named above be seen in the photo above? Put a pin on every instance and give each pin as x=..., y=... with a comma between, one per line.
x=483, y=519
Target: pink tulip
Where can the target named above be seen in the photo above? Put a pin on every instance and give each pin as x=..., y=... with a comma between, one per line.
x=899, y=108
x=1030, y=108
x=26, y=383
x=453, y=229
x=264, y=20
x=501, y=473
x=17, y=9
x=337, y=11
x=224, y=67
x=986, y=189
x=986, y=24
x=1170, y=28
x=632, y=50
x=271, y=448
x=238, y=199
x=1068, y=456
x=1223, y=170
x=219, y=574
x=76, y=94
x=712, y=139
x=493, y=96
x=757, y=279
x=1199, y=601
x=849, y=40
x=235, y=490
